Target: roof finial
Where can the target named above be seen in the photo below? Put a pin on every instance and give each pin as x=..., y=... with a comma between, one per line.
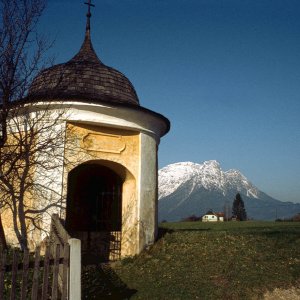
x=88, y=23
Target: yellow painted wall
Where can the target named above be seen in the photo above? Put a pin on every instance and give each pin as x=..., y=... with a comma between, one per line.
x=115, y=148
x=119, y=150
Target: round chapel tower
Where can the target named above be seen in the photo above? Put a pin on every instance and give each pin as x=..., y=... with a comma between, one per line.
x=108, y=179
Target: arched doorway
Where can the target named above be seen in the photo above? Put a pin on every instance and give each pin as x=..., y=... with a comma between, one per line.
x=94, y=210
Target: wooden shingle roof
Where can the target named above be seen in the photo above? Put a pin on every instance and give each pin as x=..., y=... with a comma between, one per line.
x=84, y=77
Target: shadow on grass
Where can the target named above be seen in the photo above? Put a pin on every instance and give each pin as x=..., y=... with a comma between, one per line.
x=101, y=282
x=163, y=231
x=191, y=229
x=286, y=235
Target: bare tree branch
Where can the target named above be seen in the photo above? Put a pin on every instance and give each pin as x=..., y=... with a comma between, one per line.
x=22, y=51
x=30, y=158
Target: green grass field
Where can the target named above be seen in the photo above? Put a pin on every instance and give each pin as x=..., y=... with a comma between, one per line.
x=232, y=260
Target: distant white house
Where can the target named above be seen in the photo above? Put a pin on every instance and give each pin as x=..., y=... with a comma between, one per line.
x=213, y=217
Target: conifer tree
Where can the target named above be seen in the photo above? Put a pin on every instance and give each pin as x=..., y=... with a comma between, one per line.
x=238, y=208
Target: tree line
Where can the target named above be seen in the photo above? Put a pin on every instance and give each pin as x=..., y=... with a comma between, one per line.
x=238, y=212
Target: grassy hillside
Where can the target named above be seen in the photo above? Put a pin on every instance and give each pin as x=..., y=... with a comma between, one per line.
x=234, y=260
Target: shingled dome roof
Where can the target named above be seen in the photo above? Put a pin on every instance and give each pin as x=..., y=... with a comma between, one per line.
x=84, y=77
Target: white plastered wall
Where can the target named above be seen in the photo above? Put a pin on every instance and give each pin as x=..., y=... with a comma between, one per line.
x=147, y=191
x=150, y=127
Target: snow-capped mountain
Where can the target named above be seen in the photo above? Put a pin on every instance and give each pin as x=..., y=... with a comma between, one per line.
x=188, y=188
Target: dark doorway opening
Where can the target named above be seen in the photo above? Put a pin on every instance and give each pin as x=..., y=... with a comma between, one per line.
x=94, y=209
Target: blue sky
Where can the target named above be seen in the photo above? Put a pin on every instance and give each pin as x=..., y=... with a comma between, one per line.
x=226, y=74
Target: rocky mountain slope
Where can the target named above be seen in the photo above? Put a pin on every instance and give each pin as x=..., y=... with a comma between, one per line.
x=188, y=188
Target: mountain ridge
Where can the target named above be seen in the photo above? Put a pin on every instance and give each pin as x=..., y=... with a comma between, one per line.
x=187, y=188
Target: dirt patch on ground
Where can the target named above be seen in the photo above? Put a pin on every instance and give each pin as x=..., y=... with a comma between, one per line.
x=283, y=294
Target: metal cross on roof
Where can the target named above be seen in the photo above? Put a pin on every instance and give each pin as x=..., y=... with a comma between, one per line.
x=89, y=4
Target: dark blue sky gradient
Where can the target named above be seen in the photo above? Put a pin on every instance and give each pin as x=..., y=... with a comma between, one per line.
x=226, y=74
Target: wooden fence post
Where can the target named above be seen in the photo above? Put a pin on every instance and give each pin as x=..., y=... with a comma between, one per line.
x=36, y=270
x=14, y=275
x=65, y=277
x=75, y=269
x=55, y=272
x=46, y=273
x=2, y=271
x=25, y=274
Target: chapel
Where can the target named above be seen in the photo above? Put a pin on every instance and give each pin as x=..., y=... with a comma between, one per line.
x=107, y=179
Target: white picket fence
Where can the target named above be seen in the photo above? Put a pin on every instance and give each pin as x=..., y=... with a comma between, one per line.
x=58, y=235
